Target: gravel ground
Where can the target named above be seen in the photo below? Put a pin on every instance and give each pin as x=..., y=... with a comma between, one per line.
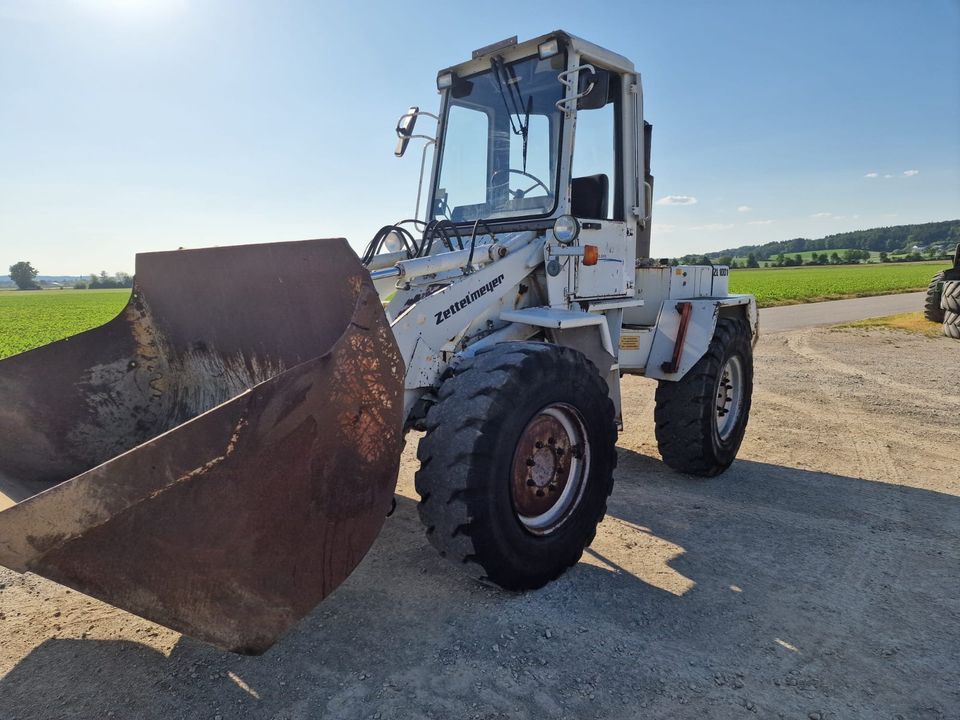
x=818, y=578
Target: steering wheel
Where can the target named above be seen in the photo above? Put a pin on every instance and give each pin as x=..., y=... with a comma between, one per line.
x=520, y=194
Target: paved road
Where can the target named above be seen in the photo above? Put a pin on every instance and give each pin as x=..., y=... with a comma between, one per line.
x=793, y=317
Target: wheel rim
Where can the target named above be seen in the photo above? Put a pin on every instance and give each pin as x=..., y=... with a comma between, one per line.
x=729, y=396
x=550, y=466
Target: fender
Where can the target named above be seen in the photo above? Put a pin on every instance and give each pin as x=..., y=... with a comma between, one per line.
x=701, y=324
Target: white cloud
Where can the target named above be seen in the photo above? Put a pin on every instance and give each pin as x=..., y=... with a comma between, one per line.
x=744, y=209
x=911, y=173
x=760, y=222
x=887, y=176
x=872, y=175
x=712, y=226
x=822, y=215
x=677, y=200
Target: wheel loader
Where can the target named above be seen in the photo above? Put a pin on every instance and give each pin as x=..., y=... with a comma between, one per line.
x=221, y=456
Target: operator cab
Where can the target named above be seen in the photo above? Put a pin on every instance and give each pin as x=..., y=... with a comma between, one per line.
x=508, y=118
x=544, y=136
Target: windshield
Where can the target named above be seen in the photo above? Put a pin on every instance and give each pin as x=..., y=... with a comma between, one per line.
x=501, y=142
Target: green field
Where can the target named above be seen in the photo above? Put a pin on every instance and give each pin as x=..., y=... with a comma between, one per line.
x=36, y=317
x=785, y=286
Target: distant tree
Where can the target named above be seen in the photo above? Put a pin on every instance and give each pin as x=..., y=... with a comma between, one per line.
x=834, y=258
x=752, y=261
x=104, y=281
x=798, y=259
x=24, y=274
x=80, y=285
x=725, y=260
x=884, y=257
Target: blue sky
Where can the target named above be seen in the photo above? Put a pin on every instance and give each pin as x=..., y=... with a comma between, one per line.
x=130, y=125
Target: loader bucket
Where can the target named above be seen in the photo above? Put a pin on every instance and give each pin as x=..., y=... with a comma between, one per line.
x=220, y=456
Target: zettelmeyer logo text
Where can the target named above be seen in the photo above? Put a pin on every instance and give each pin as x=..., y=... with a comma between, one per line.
x=467, y=299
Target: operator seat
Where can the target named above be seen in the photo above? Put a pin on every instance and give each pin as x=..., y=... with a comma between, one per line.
x=588, y=196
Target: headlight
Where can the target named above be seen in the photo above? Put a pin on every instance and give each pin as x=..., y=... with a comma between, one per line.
x=566, y=229
x=548, y=49
x=392, y=243
x=444, y=81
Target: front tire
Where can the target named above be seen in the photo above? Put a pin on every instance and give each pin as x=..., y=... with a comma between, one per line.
x=701, y=418
x=950, y=296
x=517, y=463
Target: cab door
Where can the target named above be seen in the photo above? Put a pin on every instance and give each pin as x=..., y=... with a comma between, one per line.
x=596, y=193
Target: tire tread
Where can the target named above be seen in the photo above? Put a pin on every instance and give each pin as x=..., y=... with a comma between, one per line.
x=457, y=446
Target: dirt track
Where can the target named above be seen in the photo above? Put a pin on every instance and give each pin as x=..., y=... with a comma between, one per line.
x=818, y=578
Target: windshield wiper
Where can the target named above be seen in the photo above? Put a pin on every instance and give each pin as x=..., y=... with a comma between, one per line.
x=513, y=98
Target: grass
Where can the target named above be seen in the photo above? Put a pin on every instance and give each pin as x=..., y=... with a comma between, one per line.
x=913, y=322
x=37, y=317
x=787, y=286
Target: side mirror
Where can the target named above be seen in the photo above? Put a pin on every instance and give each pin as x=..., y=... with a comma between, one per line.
x=599, y=93
x=405, y=129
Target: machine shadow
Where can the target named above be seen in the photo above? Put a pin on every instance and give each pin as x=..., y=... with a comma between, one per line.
x=764, y=567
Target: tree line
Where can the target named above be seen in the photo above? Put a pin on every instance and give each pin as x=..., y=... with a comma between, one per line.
x=896, y=239
x=104, y=281
x=24, y=276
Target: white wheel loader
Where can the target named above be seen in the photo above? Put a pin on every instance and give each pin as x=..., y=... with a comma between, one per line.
x=220, y=456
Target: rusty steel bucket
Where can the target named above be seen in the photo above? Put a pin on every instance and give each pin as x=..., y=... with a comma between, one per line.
x=220, y=456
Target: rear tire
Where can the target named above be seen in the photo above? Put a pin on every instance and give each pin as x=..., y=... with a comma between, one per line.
x=701, y=419
x=931, y=304
x=517, y=463
x=951, y=324
x=950, y=297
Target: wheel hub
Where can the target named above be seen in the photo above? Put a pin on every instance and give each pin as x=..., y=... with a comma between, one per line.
x=729, y=396
x=548, y=468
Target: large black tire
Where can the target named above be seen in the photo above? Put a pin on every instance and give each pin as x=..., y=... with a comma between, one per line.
x=931, y=304
x=951, y=324
x=932, y=310
x=691, y=436
x=950, y=297
x=479, y=437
